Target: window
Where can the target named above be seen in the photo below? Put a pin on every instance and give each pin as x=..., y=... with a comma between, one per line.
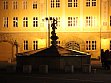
x=5, y=21
x=69, y=3
x=35, y=21
x=55, y=3
x=72, y=2
x=90, y=45
x=35, y=45
x=93, y=45
x=73, y=21
x=35, y=5
x=69, y=21
x=56, y=18
x=52, y=3
x=5, y=4
x=15, y=4
x=24, y=4
x=58, y=21
x=110, y=20
x=25, y=22
x=87, y=3
x=25, y=44
x=15, y=21
x=90, y=21
x=93, y=21
x=93, y=2
x=75, y=3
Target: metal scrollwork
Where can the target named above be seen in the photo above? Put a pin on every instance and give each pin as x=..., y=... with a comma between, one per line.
x=72, y=45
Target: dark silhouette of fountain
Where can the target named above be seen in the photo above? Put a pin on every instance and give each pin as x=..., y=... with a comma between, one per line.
x=54, y=37
x=55, y=57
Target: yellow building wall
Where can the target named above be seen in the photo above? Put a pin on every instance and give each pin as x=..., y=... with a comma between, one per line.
x=65, y=33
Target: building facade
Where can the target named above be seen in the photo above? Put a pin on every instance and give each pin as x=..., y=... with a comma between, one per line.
x=83, y=25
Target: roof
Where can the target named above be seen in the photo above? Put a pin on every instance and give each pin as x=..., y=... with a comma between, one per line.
x=53, y=51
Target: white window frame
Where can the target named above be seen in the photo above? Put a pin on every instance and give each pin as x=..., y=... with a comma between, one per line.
x=88, y=3
x=88, y=45
x=35, y=4
x=70, y=21
x=15, y=4
x=35, y=45
x=52, y=3
x=91, y=45
x=24, y=4
x=90, y=21
x=73, y=21
x=72, y=3
x=58, y=21
x=57, y=3
x=5, y=5
x=5, y=21
x=35, y=21
x=15, y=21
x=25, y=21
x=75, y=3
x=93, y=2
x=25, y=44
x=69, y=3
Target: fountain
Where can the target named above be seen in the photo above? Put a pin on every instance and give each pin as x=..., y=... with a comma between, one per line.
x=53, y=58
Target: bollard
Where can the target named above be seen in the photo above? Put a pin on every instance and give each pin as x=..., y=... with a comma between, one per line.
x=86, y=68
x=43, y=68
x=69, y=68
x=94, y=70
x=27, y=68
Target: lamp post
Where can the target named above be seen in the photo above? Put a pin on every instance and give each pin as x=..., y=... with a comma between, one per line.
x=100, y=41
x=48, y=33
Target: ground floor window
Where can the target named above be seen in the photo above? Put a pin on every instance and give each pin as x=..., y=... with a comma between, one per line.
x=91, y=45
x=25, y=44
x=35, y=45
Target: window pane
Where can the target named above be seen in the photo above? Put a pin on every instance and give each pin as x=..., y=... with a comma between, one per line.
x=35, y=5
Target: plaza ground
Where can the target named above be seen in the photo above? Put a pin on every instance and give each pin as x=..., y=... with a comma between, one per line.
x=100, y=76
